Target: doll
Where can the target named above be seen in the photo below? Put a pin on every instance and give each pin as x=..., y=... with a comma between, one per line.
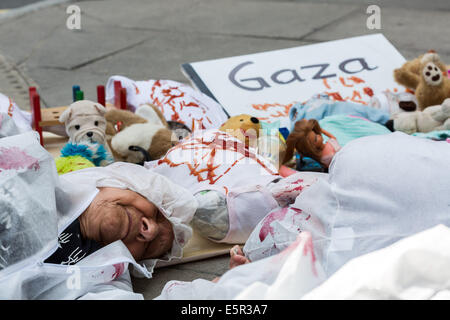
x=306, y=138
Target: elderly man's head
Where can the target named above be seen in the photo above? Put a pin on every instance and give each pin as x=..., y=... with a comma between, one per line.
x=117, y=214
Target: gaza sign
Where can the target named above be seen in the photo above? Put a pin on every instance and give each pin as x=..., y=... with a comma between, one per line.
x=267, y=84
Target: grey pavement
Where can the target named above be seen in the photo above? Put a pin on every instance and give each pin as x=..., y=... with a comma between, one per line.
x=150, y=39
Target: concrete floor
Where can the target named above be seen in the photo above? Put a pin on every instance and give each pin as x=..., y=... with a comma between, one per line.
x=144, y=39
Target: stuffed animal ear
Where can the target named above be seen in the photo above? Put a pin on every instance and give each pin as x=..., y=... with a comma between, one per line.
x=100, y=109
x=63, y=117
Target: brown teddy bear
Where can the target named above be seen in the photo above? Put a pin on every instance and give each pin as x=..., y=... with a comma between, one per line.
x=138, y=137
x=427, y=76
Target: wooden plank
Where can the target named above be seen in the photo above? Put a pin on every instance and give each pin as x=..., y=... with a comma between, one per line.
x=50, y=116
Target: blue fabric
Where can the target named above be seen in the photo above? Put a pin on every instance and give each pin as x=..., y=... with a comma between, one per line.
x=347, y=128
x=435, y=135
x=321, y=106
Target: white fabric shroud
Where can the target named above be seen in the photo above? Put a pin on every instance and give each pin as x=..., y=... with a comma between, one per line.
x=40, y=205
x=177, y=101
x=215, y=160
x=417, y=267
x=296, y=263
x=379, y=190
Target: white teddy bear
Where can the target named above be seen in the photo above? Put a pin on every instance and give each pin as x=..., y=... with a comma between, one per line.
x=433, y=118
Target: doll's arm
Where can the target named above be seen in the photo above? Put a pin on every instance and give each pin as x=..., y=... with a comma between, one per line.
x=329, y=135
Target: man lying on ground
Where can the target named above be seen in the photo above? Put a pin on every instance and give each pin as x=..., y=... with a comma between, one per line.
x=74, y=236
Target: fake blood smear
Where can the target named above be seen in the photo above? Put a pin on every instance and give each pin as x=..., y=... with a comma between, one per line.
x=218, y=143
x=368, y=91
x=175, y=99
x=118, y=270
x=14, y=158
x=266, y=226
x=309, y=249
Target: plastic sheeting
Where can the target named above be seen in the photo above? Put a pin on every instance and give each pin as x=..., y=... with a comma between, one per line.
x=297, y=262
x=379, y=190
x=21, y=118
x=417, y=267
x=40, y=206
x=214, y=160
x=177, y=101
x=28, y=189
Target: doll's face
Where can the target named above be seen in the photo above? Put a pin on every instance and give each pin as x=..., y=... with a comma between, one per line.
x=315, y=140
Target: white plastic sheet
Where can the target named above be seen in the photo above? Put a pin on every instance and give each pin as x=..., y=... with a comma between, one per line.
x=258, y=280
x=215, y=160
x=417, y=267
x=42, y=204
x=177, y=101
x=379, y=190
x=21, y=118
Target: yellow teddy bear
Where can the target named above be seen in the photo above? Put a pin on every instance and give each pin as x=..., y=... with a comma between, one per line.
x=244, y=127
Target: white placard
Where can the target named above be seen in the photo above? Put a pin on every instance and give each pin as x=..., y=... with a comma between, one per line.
x=267, y=84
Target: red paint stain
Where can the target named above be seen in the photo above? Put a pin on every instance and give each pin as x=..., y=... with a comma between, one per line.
x=284, y=112
x=335, y=95
x=341, y=79
x=174, y=98
x=266, y=224
x=14, y=158
x=118, y=270
x=369, y=91
x=10, y=108
x=218, y=143
x=308, y=248
x=356, y=79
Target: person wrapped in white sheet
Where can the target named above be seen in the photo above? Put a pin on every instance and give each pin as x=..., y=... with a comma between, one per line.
x=233, y=185
x=119, y=216
x=379, y=190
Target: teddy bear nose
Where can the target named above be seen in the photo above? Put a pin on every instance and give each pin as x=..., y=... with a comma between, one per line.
x=89, y=134
x=254, y=120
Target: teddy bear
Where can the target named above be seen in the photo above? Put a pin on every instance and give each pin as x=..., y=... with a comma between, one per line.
x=244, y=127
x=427, y=77
x=432, y=118
x=139, y=137
x=85, y=124
x=262, y=136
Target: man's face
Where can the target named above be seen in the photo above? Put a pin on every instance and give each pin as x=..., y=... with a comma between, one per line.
x=117, y=214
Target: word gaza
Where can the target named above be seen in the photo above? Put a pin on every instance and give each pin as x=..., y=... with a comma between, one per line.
x=286, y=76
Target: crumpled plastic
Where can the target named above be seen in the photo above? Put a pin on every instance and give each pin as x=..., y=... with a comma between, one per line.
x=255, y=280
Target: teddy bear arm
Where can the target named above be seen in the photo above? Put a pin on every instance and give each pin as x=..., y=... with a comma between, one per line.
x=406, y=78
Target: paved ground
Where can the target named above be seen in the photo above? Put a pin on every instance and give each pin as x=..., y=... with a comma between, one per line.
x=145, y=39
x=10, y=4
